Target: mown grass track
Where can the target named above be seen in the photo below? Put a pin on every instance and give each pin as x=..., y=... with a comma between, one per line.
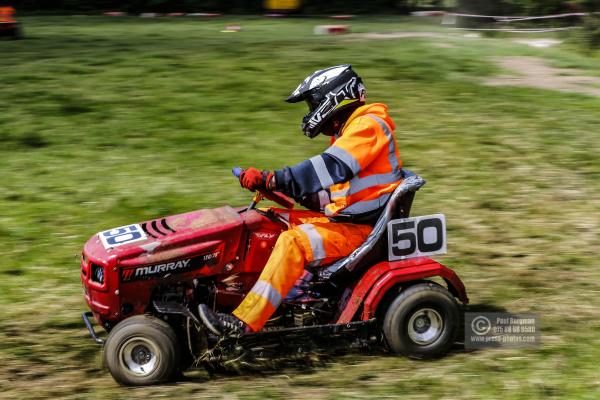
x=109, y=121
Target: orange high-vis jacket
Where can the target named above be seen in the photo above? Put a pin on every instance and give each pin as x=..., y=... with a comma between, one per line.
x=7, y=14
x=367, y=144
x=356, y=175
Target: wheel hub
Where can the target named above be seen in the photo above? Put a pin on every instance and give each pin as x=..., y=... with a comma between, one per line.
x=422, y=323
x=425, y=326
x=139, y=355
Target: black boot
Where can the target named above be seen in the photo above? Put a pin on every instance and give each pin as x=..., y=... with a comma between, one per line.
x=220, y=324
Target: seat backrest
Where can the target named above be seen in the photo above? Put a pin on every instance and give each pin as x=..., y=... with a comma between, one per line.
x=374, y=247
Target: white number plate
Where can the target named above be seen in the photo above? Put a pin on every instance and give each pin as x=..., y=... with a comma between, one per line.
x=122, y=235
x=416, y=237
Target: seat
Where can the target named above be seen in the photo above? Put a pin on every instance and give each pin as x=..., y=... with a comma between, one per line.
x=374, y=248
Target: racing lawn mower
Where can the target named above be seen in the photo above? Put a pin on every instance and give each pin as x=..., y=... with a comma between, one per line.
x=144, y=282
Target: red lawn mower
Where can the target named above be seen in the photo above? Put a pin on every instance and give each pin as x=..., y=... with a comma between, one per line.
x=144, y=282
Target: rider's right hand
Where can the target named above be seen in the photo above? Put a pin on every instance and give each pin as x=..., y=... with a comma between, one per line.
x=253, y=179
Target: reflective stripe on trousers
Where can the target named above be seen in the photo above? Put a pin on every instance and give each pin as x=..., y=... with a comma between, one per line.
x=264, y=289
x=316, y=241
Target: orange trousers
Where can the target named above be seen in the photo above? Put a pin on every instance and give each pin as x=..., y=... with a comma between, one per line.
x=311, y=239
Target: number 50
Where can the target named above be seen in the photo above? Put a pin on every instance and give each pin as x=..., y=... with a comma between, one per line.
x=417, y=236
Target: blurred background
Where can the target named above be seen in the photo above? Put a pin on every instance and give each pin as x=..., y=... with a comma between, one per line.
x=114, y=112
x=494, y=7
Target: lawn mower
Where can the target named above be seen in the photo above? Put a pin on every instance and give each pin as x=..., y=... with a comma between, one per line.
x=144, y=282
x=9, y=26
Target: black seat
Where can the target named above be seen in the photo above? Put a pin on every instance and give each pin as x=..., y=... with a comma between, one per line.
x=374, y=248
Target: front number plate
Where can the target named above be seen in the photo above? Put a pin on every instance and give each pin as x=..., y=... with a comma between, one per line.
x=416, y=237
x=122, y=235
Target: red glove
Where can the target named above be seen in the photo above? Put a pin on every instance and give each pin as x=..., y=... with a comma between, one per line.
x=253, y=179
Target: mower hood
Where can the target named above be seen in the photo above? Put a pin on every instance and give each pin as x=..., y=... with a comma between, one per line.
x=166, y=239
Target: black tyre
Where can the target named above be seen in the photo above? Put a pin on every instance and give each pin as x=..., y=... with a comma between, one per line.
x=142, y=350
x=422, y=321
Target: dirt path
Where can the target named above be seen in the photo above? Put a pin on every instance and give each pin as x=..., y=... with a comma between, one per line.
x=396, y=35
x=359, y=37
x=533, y=72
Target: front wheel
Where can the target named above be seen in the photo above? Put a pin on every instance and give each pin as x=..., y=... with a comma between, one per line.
x=422, y=321
x=142, y=350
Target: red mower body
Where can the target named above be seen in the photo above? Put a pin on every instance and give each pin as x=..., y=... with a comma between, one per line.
x=381, y=277
x=219, y=242
x=231, y=246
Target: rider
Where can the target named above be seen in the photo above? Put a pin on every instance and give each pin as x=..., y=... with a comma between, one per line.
x=347, y=187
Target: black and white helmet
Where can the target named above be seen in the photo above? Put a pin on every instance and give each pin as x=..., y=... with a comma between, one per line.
x=328, y=92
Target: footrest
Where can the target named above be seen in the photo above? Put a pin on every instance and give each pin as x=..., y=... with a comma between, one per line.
x=312, y=329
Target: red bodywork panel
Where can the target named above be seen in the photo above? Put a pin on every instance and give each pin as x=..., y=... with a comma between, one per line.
x=381, y=277
x=213, y=242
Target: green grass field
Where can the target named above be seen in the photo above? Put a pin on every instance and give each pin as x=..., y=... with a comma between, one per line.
x=110, y=121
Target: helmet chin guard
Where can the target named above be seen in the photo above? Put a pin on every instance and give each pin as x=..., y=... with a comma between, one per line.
x=327, y=93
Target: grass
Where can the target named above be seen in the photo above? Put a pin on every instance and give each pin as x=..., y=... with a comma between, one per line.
x=108, y=121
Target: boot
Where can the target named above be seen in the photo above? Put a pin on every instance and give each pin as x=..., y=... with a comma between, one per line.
x=220, y=324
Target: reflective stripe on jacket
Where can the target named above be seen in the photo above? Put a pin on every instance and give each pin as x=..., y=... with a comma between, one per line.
x=360, y=169
x=368, y=146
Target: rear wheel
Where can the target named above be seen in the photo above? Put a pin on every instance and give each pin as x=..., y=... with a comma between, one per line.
x=422, y=321
x=142, y=350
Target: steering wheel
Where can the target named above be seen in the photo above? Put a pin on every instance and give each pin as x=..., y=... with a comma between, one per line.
x=272, y=195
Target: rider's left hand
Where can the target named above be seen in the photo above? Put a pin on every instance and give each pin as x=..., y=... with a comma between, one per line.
x=253, y=179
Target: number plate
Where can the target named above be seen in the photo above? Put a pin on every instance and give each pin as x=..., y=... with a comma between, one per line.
x=122, y=235
x=416, y=237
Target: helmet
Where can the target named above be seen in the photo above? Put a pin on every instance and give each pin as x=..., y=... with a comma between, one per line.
x=328, y=92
